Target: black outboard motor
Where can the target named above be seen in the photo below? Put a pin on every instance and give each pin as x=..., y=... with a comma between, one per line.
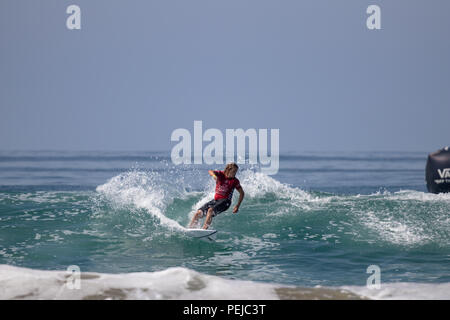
x=437, y=172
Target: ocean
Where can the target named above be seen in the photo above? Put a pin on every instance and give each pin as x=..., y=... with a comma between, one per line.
x=315, y=230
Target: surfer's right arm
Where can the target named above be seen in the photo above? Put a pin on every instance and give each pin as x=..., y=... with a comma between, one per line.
x=212, y=174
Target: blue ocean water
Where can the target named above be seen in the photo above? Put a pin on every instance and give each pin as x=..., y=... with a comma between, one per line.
x=321, y=221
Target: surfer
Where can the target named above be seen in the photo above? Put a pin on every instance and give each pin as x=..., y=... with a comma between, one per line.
x=226, y=182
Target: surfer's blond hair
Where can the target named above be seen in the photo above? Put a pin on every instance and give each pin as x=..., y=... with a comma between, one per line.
x=230, y=166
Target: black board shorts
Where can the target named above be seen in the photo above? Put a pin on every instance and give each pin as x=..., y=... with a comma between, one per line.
x=218, y=206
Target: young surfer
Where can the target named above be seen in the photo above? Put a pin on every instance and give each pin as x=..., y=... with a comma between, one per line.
x=226, y=182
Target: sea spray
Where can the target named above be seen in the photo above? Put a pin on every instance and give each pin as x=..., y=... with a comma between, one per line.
x=143, y=191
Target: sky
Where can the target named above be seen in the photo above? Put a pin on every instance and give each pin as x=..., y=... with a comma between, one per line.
x=138, y=70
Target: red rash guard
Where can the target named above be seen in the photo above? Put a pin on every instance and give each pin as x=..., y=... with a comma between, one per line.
x=225, y=186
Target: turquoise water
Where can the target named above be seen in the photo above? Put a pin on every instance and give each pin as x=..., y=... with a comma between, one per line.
x=322, y=220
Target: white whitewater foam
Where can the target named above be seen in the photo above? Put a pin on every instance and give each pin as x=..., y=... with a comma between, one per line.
x=405, y=195
x=183, y=284
x=398, y=221
x=404, y=291
x=419, y=196
x=258, y=184
x=395, y=231
x=143, y=191
x=173, y=283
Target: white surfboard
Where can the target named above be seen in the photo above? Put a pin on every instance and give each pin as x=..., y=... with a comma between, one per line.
x=208, y=234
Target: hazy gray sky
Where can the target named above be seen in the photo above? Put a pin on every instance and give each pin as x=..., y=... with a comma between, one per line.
x=137, y=70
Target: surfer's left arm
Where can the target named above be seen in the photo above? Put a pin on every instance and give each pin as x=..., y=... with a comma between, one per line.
x=241, y=197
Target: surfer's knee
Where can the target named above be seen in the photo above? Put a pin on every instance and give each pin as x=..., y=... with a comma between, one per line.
x=199, y=214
